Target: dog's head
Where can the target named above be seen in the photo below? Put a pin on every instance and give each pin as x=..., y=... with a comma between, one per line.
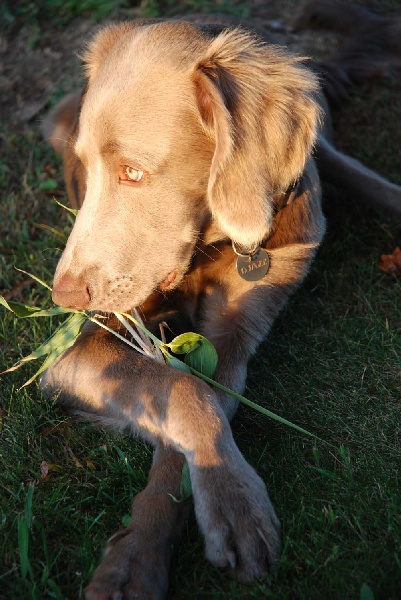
x=175, y=129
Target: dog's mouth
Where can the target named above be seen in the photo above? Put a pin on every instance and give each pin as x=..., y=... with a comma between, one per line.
x=169, y=281
x=119, y=299
x=115, y=293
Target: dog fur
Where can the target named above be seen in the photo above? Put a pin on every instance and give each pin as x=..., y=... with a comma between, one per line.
x=222, y=126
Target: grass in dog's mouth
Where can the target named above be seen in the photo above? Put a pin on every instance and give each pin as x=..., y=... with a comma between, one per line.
x=200, y=356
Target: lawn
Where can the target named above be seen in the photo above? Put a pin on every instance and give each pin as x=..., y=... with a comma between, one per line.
x=332, y=364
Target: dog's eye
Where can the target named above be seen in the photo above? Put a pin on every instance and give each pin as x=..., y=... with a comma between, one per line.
x=133, y=174
x=128, y=175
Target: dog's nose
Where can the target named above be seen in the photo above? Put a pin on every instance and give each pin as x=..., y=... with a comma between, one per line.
x=71, y=292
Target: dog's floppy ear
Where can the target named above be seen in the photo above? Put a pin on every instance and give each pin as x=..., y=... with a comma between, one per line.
x=258, y=104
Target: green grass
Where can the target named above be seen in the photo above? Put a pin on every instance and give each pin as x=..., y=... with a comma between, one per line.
x=331, y=364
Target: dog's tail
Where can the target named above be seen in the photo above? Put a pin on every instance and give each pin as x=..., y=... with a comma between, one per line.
x=357, y=180
x=369, y=45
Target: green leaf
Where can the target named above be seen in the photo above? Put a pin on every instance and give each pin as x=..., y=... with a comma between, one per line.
x=200, y=360
x=203, y=359
x=53, y=312
x=185, y=485
x=200, y=353
x=126, y=520
x=64, y=337
x=49, y=361
x=23, y=547
x=23, y=310
x=176, y=363
x=366, y=593
x=187, y=342
x=19, y=309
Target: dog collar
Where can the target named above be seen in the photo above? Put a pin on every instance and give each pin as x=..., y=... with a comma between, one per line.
x=254, y=263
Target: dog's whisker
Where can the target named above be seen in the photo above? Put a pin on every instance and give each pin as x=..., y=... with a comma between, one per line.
x=140, y=309
x=205, y=253
x=216, y=248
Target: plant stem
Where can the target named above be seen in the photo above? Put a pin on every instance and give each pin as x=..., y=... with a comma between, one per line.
x=255, y=406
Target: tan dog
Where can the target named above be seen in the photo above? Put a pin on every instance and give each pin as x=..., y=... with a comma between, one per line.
x=189, y=141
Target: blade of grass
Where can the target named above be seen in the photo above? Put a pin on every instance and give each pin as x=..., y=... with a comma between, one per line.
x=53, y=230
x=151, y=351
x=35, y=278
x=120, y=337
x=257, y=407
x=24, y=311
x=24, y=525
x=62, y=338
x=70, y=210
x=48, y=361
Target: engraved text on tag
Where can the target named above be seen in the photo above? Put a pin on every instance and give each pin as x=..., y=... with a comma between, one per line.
x=254, y=266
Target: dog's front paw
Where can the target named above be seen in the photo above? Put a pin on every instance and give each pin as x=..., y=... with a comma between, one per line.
x=237, y=519
x=131, y=568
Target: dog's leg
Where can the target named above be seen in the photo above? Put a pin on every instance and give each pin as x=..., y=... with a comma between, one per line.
x=168, y=406
x=137, y=559
x=356, y=179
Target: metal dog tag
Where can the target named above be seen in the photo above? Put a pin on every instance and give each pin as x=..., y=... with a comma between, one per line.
x=253, y=267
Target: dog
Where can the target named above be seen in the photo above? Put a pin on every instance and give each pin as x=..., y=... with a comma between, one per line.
x=190, y=156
